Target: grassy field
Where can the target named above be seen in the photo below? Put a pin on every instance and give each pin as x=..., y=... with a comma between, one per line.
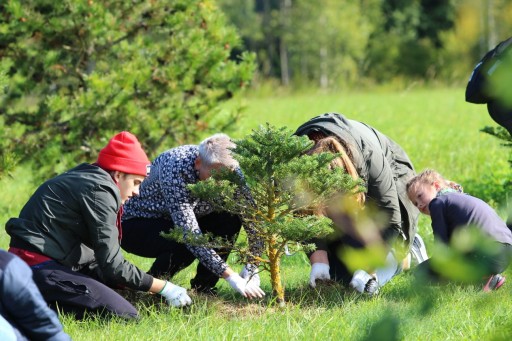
x=438, y=130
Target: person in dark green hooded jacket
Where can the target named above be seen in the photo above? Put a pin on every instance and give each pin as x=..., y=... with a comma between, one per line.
x=384, y=167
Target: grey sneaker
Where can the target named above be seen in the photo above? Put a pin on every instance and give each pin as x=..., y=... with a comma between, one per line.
x=418, y=250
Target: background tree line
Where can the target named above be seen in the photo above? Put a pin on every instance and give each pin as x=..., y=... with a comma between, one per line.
x=342, y=43
x=74, y=72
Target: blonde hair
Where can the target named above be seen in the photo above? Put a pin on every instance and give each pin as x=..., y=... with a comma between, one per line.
x=429, y=177
x=216, y=149
x=333, y=145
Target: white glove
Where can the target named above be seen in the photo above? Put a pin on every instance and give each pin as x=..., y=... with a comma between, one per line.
x=175, y=295
x=359, y=280
x=245, y=288
x=251, y=276
x=319, y=271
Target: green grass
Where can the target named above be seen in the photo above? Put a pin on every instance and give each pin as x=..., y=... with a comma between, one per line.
x=438, y=130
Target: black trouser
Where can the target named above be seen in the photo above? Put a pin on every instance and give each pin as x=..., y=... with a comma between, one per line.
x=501, y=114
x=335, y=245
x=141, y=236
x=338, y=268
x=75, y=293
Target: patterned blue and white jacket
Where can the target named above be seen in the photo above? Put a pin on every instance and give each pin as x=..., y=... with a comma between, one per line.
x=164, y=194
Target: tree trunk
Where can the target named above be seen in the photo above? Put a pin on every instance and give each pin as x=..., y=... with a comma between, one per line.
x=274, y=256
x=269, y=38
x=491, y=25
x=324, y=78
x=283, y=54
x=283, y=48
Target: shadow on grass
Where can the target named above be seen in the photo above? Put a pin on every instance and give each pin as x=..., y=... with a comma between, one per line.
x=404, y=308
x=327, y=295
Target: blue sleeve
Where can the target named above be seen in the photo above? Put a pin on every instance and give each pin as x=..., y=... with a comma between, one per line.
x=26, y=306
x=439, y=223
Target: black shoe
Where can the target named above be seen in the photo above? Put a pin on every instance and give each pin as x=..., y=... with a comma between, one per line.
x=371, y=287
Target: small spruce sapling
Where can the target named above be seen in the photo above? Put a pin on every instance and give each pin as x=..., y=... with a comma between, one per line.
x=285, y=184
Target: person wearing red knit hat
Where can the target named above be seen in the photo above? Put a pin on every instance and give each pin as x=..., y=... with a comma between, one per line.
x=124, y=153
x=69, y=233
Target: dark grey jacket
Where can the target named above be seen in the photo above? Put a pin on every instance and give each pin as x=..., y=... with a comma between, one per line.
x=381, y=163
x=72, y=219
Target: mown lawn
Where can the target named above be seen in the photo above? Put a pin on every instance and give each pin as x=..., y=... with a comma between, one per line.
x=438, y=130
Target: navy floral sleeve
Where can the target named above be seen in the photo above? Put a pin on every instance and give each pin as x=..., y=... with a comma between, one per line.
x=164, y=194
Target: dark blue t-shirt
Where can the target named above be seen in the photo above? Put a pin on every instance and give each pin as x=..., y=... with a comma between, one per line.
x=453, y=210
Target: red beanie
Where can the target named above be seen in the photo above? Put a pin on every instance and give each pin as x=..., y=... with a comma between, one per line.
x=124, y=153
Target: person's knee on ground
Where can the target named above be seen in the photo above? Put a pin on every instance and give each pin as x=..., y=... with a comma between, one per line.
x=72, y=292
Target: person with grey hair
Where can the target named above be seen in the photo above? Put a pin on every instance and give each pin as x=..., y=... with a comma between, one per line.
x=165, y=202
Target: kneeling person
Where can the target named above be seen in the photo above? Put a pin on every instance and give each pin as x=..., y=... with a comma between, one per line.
x=165, y=203
x=69, y=233
x=450, y=211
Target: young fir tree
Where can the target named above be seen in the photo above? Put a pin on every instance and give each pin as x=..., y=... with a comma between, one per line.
x=285, y=185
